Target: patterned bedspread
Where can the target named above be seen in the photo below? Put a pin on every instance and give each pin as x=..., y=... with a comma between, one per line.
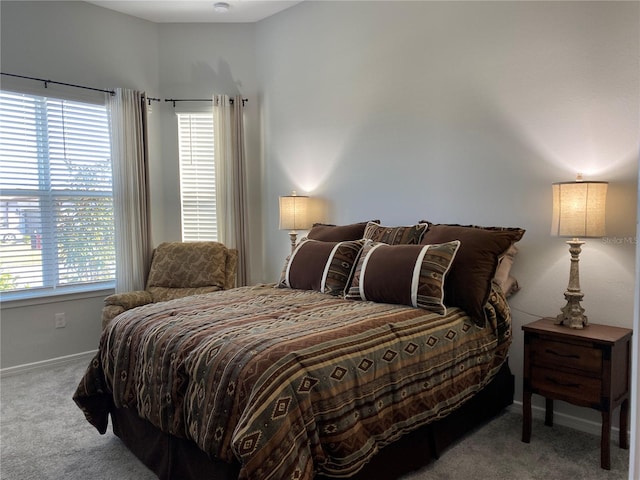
x=289, y=382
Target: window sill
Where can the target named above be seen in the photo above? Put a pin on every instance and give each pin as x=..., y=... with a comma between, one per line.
x=8, y=301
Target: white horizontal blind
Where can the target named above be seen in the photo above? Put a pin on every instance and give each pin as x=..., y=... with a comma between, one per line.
x=56, y=200
x=197, y=177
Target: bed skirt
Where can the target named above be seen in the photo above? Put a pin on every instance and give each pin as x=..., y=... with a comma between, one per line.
x=176, y=458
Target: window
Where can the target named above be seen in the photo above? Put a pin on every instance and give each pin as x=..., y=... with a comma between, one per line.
x=197, y=176
x=56, y=200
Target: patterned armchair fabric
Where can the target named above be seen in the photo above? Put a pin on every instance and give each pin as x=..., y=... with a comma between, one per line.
x=179, y=269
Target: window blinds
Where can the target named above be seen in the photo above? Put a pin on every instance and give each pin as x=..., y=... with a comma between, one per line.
x=197, y=176
x=56, y=204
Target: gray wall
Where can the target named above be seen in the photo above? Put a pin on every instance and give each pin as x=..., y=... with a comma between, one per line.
x=460, y=112
x=77, y=43
x=197, y=61
x=83, y=44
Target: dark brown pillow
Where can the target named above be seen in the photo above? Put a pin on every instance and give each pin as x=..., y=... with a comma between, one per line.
x=411, y=275
x=409, y=235
x=338, y=233
x=322, y=266
x=469, y=280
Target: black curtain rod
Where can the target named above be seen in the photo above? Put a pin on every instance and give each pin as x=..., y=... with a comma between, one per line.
x=47, y=82
x=112, y=92
x=174, y=100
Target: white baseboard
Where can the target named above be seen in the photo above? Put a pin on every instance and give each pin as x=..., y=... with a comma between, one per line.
x=577, y=423
x=45, y=364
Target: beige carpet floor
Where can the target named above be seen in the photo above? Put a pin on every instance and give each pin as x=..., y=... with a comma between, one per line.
x=43, y=435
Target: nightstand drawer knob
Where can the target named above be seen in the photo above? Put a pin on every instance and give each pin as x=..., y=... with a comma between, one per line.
x=563, y=355
x=561, y=384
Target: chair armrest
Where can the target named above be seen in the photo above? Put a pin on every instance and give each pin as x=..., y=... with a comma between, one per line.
x=117, y=303
x=129, y=300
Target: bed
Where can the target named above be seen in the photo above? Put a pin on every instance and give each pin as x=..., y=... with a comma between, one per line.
x=352, y=366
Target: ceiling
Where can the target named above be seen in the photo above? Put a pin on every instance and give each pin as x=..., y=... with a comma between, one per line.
x=197, y=11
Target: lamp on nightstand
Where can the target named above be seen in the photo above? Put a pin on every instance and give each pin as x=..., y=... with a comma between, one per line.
x=578, y=211
x=294, y=215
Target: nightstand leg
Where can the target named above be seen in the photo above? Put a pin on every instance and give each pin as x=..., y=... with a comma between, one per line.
x=624, y=424
x=526, y=417
x=605, y=441
x=548, y=412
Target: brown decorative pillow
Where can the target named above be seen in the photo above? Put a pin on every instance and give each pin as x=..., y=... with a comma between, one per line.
x=469, y=282
x=411, y=275
x=322, y=266
x=338, y=233
x=410, y=235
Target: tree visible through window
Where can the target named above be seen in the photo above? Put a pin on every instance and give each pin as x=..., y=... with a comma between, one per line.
x=56, y=196
x=197, y=176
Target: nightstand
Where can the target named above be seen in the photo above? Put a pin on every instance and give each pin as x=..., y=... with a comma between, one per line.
x=588, y=367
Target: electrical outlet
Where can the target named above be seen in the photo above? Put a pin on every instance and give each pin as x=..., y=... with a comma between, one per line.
x=61, y=320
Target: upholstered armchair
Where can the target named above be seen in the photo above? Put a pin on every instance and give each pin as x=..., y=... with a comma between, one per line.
x=178, y=269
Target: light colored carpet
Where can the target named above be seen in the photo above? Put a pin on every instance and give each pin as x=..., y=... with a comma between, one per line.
x=43, y=435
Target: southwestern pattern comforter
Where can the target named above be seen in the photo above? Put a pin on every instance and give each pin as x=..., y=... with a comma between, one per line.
x=288, y=382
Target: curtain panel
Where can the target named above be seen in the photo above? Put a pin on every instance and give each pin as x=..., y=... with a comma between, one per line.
x=231, y=179
x=129, y=153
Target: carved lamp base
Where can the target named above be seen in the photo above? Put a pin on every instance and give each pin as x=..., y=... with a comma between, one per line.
x=293, y=237
x=572, y=313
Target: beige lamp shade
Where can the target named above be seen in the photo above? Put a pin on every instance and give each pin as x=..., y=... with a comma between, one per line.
x=294, y=212
x=579, y=209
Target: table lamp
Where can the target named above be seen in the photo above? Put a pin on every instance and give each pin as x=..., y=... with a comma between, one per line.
x=294, y=215
x=578, y=211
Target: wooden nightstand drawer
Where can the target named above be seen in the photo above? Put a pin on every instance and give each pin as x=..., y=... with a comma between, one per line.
x=566, y=385
x=589, y=367
x=566, y=355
